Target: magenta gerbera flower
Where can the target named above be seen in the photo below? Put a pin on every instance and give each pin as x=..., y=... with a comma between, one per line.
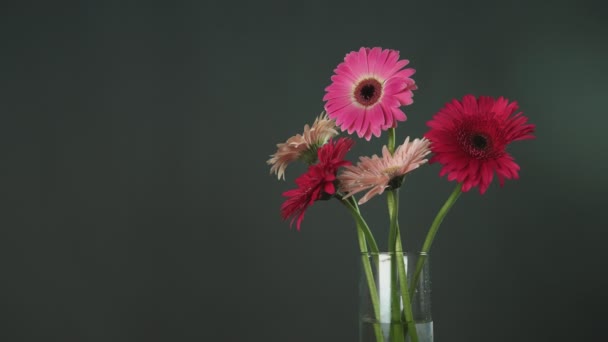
x=318, y=182
x=376, y=174
x=367, y=90
x=469, y=138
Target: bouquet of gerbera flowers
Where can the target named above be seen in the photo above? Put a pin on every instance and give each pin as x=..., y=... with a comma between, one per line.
x=468, y=137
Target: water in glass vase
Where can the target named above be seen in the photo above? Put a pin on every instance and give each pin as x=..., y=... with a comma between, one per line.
x=368, y=326
x=425, y=332
x=381, y=298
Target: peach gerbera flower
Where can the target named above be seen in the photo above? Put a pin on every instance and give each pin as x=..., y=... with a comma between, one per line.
x=302, y=146
x=379, y=173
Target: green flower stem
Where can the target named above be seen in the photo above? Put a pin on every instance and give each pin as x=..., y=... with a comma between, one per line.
x=391, y=140
x=362, y=228
x=371, y=284
x=396, y=333
x=397, y=257
x=368, y=233
x=431, y=235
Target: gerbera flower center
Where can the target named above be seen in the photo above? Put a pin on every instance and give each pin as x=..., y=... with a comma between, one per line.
x=395, y=179
x=477, y=145
x=395, y=182
x=479, y=141
x=390, y=171
x=368, y=92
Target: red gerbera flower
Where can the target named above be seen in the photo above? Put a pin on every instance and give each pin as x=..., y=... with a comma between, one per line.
x=469, y=139
x=318, y=182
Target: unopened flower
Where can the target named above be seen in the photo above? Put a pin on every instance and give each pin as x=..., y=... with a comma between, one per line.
x=469, y=138
x=318, y=182
x=302, y=146
x=367, y=90
x=376, y=174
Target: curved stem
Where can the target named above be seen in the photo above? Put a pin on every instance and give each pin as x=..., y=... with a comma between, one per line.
x=352, y=206
x=430, y=236
x=371, y=284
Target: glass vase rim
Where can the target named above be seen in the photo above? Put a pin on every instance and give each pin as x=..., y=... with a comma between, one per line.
x=395, y=253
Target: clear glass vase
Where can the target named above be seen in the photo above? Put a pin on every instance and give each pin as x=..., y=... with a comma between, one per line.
x=381, y=305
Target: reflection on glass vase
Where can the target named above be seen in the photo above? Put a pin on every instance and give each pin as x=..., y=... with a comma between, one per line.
x=381, y=307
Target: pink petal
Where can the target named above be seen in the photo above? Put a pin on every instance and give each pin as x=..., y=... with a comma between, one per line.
x=399, y=115
x=372, y=60
x=405, y=98
x=394, y=86
x=338, y=103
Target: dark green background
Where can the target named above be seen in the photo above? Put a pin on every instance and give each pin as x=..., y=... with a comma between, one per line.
x=137, y=205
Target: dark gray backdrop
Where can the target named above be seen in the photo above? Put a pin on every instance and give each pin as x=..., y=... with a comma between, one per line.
x=137, y=206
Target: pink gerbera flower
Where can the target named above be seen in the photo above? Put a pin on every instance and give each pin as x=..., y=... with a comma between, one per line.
x=377, y=174
x=302, y=146
x=318, y=182
x=367, y=90
x=469, y=139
